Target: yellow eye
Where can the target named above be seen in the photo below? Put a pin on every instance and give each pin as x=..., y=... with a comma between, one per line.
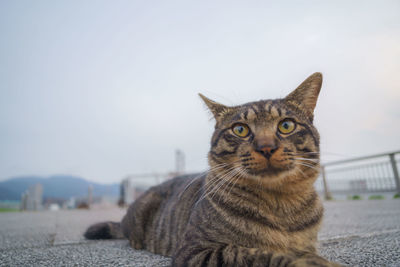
x=241, y=130
x=286, y=126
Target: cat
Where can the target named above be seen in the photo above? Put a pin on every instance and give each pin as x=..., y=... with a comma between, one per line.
x=256, y=206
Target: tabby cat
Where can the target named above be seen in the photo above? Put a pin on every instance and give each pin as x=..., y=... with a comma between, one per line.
x=256, y=206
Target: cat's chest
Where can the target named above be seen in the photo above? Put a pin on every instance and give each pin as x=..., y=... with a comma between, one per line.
x=276, y=231
x=282, y=239
x=251, y=224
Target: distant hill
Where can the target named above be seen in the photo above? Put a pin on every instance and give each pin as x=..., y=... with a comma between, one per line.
x=58, y=186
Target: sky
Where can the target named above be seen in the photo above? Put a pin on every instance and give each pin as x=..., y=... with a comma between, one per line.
x=103, y=89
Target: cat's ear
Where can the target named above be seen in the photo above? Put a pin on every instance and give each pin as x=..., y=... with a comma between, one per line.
x=218, y=110
x=306, y=94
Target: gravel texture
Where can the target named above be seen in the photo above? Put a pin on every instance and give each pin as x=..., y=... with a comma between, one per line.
x=355, y=233
x=378, y=249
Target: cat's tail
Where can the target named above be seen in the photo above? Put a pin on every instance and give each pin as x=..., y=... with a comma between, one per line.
x=104, y=230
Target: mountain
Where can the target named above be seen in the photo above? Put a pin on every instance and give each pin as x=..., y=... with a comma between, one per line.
x=57, y=186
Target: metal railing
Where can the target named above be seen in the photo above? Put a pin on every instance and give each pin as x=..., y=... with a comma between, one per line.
x=133, y=185
x=371, y=174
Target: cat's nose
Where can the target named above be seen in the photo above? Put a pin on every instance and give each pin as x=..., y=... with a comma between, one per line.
x=266, y=147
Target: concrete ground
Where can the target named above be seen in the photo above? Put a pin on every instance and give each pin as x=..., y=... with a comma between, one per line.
x=355, y=233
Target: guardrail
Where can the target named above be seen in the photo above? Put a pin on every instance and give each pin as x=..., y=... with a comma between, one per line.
x=371, y=174
x=133, y=185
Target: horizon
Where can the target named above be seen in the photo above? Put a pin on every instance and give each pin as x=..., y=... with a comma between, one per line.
x=57, y=175
x=52, y=176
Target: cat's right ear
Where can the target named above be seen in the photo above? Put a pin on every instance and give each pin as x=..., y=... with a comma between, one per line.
x=218, y=110
x=306, y=94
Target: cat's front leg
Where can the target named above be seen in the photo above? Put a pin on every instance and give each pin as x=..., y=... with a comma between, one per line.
x=216, y=255
x=312, y=260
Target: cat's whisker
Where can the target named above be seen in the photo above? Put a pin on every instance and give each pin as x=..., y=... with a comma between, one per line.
x=213, y=178
x=191, y=182
x=220, y=181
x=304, y=153
x=210, y=184
x=313, y=164
x=301, y=171
x=225, y=179
x=242, y=172
x=224, y=171
x=337, y=154
x=204, y=188
x=307, y=165
x=228, y=181
x=236, y=180
x=232, y=182
x=236, y=177
x=312, y=160
x=311, y=156
x=222, y=189
x=216, y=167
x=311, y=152
x=210, y=187
x=215, y=183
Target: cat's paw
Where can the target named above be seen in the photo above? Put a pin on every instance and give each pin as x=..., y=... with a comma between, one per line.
x=313, y=262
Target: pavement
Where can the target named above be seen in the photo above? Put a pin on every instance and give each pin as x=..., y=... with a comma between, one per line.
x=354, y=233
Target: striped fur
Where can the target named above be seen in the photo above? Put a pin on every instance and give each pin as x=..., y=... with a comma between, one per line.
x=256, y=206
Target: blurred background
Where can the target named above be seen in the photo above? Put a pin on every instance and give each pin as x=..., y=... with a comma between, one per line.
x=98, y=95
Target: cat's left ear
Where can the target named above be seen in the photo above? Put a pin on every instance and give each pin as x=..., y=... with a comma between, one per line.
x=306, y=94
x=218, y=110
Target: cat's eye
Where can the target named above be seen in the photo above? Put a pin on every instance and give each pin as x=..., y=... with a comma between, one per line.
x=241, y=130
x=286, y=126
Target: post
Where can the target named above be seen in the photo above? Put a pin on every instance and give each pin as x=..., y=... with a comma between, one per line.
x=179, y=162
x=395, y=172
x=90, y=196
x=327, y=194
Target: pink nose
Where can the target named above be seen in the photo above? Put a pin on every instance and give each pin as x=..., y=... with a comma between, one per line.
x=266, y=147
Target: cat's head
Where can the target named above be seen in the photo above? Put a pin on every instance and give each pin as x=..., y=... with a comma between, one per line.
x=270, y=141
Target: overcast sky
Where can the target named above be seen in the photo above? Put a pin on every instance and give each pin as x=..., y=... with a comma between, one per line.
x=102, y=89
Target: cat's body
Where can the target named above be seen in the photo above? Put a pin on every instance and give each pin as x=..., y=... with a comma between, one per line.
x=256, y=206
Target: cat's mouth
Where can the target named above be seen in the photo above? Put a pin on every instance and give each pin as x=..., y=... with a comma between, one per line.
x=265, y=172
x=257, y=165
